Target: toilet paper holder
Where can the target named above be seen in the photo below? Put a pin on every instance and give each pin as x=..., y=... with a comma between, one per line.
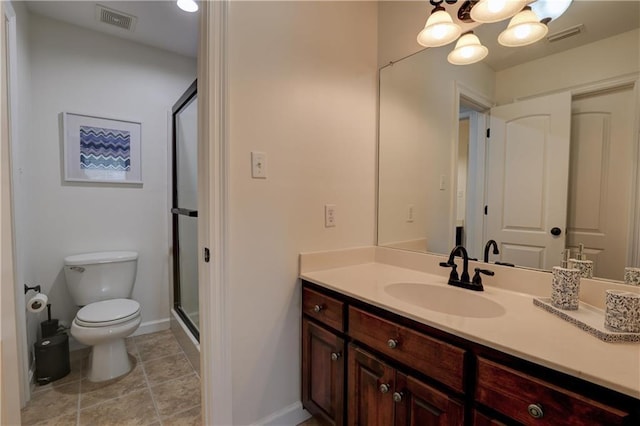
x=35, y=288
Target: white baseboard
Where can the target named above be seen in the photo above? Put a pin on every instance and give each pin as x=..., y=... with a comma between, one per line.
x=291, y=415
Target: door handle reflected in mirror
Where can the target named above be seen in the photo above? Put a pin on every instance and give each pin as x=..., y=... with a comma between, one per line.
x=556, y=231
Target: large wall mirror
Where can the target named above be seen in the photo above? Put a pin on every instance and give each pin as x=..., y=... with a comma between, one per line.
x=560, y=166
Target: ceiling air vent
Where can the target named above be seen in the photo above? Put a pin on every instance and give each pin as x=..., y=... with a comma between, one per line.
x=566, y=33
x=115, y=18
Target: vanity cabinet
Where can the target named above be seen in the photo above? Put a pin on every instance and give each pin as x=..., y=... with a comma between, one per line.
x=323, y=357
x=397, y=371
x=380, y=395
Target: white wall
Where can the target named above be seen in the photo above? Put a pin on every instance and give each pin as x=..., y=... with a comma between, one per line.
x=418, y=121
x=302, y=90
x=611, y=57
x=27, y=324
x=77, y=70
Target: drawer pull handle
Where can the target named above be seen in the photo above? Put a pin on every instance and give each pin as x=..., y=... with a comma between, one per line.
x=335, y=356
x=384, y=388
x=397, y=397
x=392, y=343
x=535, y=410
x=318, y=308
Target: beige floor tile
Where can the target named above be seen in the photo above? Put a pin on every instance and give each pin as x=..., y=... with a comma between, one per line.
x=167, y=368
x=96, y=392
x=186, y=418
x=177, y=395
x=311, y=422
x=64, y=420
x=157, y=345
x=135, y=408
x=59, y=399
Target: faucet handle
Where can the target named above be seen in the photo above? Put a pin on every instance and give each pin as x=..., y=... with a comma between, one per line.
x=477, y=279
x=454, y=270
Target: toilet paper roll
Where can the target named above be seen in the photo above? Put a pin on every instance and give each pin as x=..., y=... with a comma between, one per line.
x=37, y=303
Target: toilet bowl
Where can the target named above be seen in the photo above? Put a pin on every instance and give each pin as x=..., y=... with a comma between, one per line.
x=104, y=326
x=101, y=283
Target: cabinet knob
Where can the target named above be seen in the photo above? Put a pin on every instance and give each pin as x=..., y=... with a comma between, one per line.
x=318, y=308
x=335, y=356
x=397, y=397
x=535, y=410
x=392, y=343
x=384, y=388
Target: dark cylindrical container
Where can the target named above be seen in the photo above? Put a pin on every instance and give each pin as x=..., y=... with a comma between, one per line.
x=52, y=358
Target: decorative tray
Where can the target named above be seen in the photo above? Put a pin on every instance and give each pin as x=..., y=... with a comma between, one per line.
x=589, y=319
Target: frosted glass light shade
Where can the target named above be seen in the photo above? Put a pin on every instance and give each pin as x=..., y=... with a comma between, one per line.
x=487, y=11
x=525, y=28
x=188, y=5
x=439, y=30
x=468, y=50
x=551, y=9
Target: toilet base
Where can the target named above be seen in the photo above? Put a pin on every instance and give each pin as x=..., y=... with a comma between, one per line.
x=108, y=360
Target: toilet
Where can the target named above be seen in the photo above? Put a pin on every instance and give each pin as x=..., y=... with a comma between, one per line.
x=101, y=283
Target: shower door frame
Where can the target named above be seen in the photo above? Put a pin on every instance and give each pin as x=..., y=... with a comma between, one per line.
x=184, y=100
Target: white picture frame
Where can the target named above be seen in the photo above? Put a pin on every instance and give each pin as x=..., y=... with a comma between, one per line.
x=101, y=150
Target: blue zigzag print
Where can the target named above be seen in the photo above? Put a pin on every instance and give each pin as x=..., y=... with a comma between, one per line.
x=104, y=149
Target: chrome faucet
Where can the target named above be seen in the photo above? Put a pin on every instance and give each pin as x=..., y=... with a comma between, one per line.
x=463, y=280
x=487, y=247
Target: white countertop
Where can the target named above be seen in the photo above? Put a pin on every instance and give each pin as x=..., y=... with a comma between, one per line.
x=523, y=330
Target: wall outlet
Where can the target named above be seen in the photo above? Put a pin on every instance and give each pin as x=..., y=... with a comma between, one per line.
x=410, y=213
x=442, y=182
x=258, y=165
x=329, y=215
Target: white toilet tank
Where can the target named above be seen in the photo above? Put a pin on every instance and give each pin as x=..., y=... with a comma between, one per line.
x=92, y=277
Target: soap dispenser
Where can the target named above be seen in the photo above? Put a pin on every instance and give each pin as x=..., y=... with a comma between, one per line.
x=582, y=264
x=565, y=287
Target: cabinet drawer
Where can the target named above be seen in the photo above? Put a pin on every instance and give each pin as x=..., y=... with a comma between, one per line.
x=323, y=308
x=436, y=359
x=515, y=394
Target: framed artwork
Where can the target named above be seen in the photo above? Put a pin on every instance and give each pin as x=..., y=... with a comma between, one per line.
x=101, y=149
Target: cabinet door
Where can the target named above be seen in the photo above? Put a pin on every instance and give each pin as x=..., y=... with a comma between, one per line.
x=371, y=385
x=418, y=404
x=322, y=373
x=480, y=419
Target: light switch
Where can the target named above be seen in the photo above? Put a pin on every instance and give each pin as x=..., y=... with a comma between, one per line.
x=442, y=182
x=258, y=165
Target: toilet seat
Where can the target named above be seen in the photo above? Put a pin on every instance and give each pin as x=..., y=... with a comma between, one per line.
x=107, y=313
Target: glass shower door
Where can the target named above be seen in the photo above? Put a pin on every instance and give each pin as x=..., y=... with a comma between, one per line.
x=185, y=209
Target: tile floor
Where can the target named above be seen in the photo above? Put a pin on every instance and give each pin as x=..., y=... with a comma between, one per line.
x=161, y=389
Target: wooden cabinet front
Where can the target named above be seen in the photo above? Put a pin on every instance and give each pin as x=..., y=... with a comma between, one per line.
x=370, y=382
x=532, y=401
x=419, y=404
x=381, y=395
x=323, y=366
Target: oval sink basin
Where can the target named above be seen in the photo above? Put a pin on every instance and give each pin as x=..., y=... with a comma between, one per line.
x=448, y=300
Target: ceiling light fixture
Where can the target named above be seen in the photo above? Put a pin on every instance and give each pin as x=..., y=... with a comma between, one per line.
x=188, y=5
x=488, y=11
x=439, y=29
x=550, y=9
x=468, y=50
x=524, y=28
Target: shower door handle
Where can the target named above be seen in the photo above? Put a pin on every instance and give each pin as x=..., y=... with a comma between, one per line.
x=184, y=212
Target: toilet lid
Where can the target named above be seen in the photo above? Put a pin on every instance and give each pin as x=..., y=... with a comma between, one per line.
x=107, y=312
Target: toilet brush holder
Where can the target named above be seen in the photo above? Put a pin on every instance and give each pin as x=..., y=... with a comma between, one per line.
x=50, y=326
